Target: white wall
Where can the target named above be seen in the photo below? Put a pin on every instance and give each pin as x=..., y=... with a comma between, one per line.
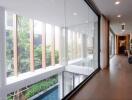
x=2, y=54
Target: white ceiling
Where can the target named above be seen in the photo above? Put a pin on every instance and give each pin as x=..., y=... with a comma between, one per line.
x=57, y=12
x=43, y=10
x=52, y=11
x=109, y=9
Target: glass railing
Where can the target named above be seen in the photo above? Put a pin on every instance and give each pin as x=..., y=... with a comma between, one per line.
x=47, y=88
x=71, y=80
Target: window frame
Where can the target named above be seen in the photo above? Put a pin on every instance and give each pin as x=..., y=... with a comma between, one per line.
x=31, y=39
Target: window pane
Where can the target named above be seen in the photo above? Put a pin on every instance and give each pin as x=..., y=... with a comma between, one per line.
x=9, y=43
x=68, y=82
x=92, y=41
x=38, y=29
x=111, y=44
x=48, y=44
x=94, y=30
x=82, y=38
x=74, y=45
x=70, y=45
x=71, y=80
x=23, y=44
x=57, y=44
x=79, y=43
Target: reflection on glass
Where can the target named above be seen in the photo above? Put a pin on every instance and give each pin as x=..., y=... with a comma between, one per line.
x=23, y=44
x=38, y=44
x=70, y=45
x=111, y=44
x=77, y=38
x=74, y=45
x=82, y=30
x=78, y=45
x=68, y=82
x=71, y=80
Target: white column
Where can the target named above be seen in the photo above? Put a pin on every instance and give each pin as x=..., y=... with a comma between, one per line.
x=2, y=54
x=64, y=46
x=104, y=39
x=84, y=45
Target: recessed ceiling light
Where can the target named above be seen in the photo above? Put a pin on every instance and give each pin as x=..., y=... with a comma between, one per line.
x=86, y=21
x=123, y=30
x=118, y=16
x=117, y=2
x=75, y=14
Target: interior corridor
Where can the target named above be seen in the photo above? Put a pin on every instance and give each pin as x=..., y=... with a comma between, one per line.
x=114, y=83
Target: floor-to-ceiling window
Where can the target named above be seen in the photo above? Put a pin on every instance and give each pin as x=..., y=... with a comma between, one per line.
x=74, y=45
x=111, y=44
x=82, y=31
x=23, y=44
x=31, y=45
x=64, y=43
x=57, y=44
x=38, y=31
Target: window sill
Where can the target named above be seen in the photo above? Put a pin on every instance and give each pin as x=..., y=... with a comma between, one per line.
x=70, y=62
x=16, y=82
x=30, y=74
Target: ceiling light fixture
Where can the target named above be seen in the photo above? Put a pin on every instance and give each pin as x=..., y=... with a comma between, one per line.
x=75, y=14
x=117, y=2
x=86, y=21
x=123, y=23
x=118, y=16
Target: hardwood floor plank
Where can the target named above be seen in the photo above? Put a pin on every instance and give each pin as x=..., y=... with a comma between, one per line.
x=114, y=83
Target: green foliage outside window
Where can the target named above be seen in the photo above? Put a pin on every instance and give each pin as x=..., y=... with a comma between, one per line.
x=24, y=49
x=38, y=56
x=56, y=57
x=37, y=87
x=23, y=40
x=9, y=52
x=23, y=44
x=48, y=56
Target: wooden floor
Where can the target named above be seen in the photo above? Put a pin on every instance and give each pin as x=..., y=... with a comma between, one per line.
x=114, y=83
